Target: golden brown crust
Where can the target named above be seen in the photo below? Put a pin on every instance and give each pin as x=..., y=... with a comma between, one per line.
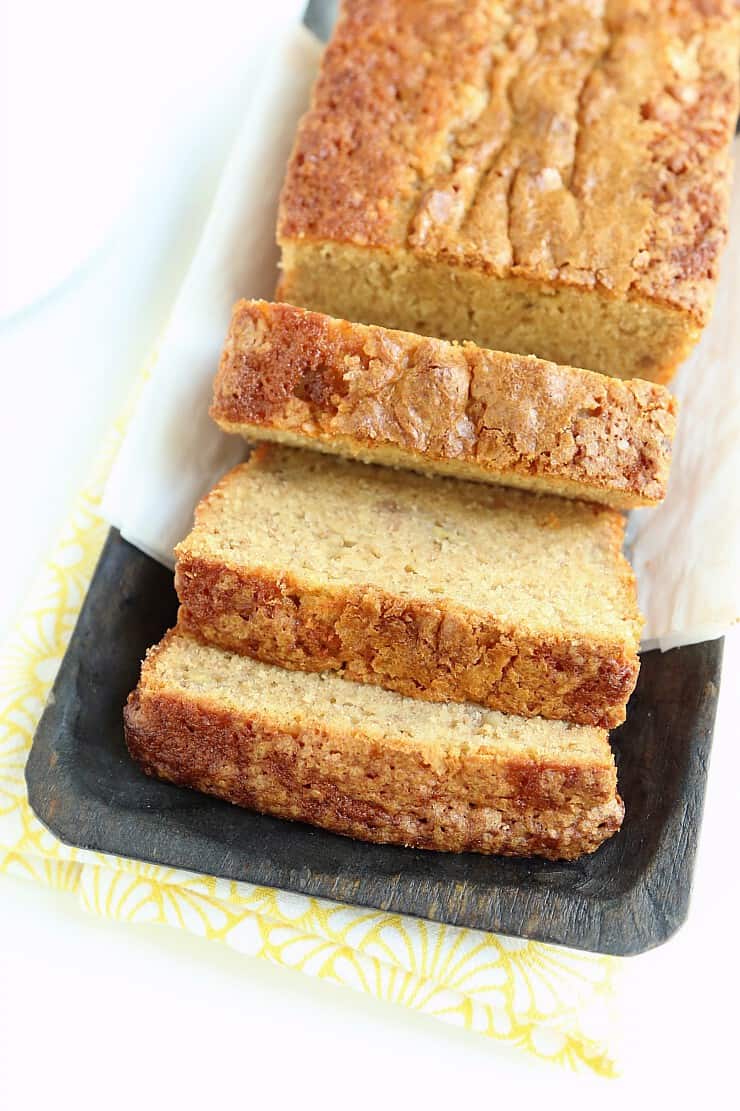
x=356, y=786
x=560, y=143
x=435, y=653
x=505, y=418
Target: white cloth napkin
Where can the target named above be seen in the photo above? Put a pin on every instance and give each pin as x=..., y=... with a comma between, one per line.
x=686, y=553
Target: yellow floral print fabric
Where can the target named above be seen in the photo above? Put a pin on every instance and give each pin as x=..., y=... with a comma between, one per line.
x=553, y=1002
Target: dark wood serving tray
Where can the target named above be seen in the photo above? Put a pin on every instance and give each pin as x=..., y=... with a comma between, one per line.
x=629, y=896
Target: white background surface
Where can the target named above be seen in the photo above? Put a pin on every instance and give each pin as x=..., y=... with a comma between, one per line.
x=94, y=1013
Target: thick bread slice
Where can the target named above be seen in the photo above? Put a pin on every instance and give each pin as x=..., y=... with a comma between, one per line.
x=436, y=588
x=369, y=763
x=392, y=397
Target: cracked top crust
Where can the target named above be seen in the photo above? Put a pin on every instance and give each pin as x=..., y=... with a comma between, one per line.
x=290, y=369
x=585, y=144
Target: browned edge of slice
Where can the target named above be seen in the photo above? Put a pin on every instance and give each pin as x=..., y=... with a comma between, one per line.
x=403, y=644
x=382, y=793
x=395, y=397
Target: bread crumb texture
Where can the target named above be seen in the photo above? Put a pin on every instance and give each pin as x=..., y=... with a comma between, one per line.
x=369, y=763
x=436, y=588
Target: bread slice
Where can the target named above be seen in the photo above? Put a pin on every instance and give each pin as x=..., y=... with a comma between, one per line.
x=369, y=763
x=541, y=178
x=391, y=397
x=432, y=587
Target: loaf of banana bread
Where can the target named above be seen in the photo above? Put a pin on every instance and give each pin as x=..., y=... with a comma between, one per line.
x=390, y=397
x=543, y=178
x=369, y=763
x=433, y=587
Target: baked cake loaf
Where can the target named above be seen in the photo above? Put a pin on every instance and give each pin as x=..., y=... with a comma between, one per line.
x=433, y=587
x=363, y=761
x=390, y=397
x=538, y=178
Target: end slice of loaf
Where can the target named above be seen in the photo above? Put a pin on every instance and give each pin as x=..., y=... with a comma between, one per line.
x=436, y=588
x=392, y=397
x=369, y=763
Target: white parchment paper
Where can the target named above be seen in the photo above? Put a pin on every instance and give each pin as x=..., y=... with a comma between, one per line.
x=686, y=553
x=173, y=452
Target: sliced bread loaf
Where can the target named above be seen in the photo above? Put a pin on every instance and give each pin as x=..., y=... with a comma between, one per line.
x=369, y=763
x=435, y=588
x=392, y=397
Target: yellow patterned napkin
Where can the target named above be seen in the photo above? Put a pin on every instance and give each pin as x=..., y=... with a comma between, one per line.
x=554, y=1002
